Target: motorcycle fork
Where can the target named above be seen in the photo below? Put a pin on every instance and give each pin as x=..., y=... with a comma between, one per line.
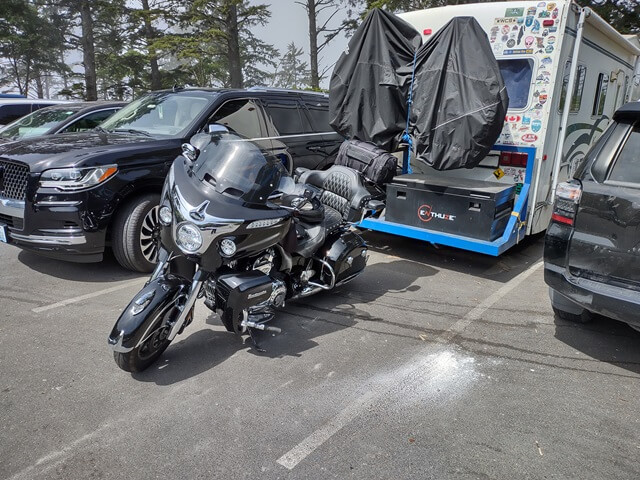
x=186, y=309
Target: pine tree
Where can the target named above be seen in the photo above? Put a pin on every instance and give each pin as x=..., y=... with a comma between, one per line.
x=292, y=71
x=320, y=32
x=217, y=45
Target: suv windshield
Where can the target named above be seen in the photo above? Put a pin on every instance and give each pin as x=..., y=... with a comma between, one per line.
x=164, y=114
x=237, y=167
x=36, y=123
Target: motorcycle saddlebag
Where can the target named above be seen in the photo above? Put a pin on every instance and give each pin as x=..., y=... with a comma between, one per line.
x=376, y=165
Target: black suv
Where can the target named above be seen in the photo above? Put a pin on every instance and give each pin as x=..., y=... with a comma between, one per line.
x=70, y=195
x=592, y=247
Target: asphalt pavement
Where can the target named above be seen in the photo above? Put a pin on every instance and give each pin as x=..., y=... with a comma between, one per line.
x=434, y=363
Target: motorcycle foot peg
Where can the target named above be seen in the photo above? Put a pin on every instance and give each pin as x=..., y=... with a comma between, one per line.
x=260, y=326
x=210, y=305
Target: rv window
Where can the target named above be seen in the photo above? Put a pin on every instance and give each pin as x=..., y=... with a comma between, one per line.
x=516, y=74
x=578, y=87
x=601, y=94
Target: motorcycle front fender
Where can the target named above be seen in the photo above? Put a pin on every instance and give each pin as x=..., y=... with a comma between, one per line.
x=143, y=312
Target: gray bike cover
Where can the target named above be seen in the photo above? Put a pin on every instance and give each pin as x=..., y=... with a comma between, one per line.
x=459, y=96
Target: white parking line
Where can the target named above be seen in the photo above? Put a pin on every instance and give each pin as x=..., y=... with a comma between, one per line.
x=121, y=286
x=298, y=453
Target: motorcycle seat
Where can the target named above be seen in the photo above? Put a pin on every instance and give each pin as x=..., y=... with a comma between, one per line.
x=342, y=189
x=312, y=235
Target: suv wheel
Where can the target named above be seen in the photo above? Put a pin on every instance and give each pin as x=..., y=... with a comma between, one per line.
x=135, y=233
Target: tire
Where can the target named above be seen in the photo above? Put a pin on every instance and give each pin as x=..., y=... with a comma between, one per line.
x=583, y=317
x=566, y=309
x=140, y=358
x=134, y=233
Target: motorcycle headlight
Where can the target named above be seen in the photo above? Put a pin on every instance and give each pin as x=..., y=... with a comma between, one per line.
x=166, y=215
x=73, y=179
x=228, y=247
x=189, y=238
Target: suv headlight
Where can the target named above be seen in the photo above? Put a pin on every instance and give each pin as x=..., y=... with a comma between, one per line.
x=189, y=238
x=72, y=179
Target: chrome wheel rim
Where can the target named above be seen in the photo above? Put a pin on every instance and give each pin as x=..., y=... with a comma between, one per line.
x=149, y=233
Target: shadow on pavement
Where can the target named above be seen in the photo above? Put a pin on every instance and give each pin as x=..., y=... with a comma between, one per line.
x=105, y=271
x=603, y=339
x=500, y=269
x=302, y=322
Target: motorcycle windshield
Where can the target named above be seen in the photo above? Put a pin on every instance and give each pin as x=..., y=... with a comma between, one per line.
x=238, y=167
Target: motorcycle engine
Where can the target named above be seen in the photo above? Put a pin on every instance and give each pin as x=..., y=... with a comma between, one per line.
x=264, y=263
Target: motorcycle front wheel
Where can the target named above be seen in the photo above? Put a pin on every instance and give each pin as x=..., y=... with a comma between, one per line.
x=142, y=356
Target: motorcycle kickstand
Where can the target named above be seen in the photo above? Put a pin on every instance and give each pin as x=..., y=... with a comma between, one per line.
x=255, y=342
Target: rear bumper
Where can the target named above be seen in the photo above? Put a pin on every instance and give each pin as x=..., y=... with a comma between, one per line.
x=619, y=303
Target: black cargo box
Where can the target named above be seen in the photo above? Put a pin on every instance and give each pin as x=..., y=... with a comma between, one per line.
x=469, y=208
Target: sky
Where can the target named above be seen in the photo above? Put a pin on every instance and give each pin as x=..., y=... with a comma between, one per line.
x=289, y=23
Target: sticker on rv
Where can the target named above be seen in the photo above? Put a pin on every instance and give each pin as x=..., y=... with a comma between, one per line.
x=514, y=12
x=519, y=51
x=536, y=125
x=499, y=173
x=529, y=137
x=503, y=21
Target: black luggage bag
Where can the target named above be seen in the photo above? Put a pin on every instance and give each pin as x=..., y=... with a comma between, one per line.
x=377, y=165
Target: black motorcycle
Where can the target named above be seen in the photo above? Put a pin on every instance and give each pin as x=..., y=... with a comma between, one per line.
x=238, y=231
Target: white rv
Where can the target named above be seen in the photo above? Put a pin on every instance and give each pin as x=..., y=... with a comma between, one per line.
x=542, y=47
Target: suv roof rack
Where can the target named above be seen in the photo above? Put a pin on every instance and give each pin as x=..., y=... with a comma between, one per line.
x=284, y=90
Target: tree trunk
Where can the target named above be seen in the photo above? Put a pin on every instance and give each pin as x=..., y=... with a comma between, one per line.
x=156, y=82
x=88, y=51
x=39, y=85
x=233, y=40
x=313, y=44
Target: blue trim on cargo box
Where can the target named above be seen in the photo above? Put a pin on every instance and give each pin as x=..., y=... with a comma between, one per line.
x=512, y=235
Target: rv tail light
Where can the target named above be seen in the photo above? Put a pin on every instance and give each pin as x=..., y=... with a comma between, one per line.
x=513, y=159
x=505, y=159
x=519, y=159
x=565, y=206
x=427, y=31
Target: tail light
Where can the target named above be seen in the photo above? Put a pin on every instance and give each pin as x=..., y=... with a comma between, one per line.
x=513, y=159
x=565, y=206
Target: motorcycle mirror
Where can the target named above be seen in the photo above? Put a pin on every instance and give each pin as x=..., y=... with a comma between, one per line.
x=190, y=152
x=217, y=128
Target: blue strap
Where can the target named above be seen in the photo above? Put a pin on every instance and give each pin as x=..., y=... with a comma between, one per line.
x=406, y=166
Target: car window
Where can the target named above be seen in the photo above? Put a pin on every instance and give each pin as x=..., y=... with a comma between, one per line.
x=90, y=121
x=319, y=114
x=164, y=113
x=241, y=116
x=36, y=123
x=9, y=113
x=626, y=168
x=516, y=74
x=285, y=116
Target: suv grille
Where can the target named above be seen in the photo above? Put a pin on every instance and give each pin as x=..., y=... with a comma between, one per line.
x=13, y=179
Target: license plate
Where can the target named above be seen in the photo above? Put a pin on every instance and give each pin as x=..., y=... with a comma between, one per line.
x=3, y=233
